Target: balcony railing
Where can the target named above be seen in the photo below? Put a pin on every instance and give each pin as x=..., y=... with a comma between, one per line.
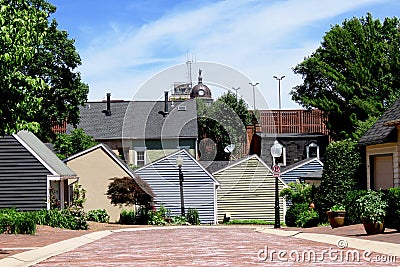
x=292, y=121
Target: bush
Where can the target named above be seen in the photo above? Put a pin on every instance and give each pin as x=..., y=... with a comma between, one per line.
x=340, y=176
x=352, y=214
x=14, y=222
x=70, y=218
x=192, y=216
x=179, y=220
x=392, y=219
x=157, y=217
x=372, y=207
x=127, y=217
x=99, y=215
x=301, y=215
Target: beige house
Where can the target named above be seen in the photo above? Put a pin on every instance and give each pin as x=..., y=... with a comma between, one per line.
x=382, y=143
x=96, y=167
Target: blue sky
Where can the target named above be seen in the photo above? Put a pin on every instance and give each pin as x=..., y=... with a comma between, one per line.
x=123, y=43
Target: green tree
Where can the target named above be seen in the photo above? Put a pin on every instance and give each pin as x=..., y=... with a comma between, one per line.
x=353, y=76
x=37, y=78
x=69, y=144
x=341, y=175
x=223, y=122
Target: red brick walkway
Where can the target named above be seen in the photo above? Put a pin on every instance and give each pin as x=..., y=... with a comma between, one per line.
x=201, y=246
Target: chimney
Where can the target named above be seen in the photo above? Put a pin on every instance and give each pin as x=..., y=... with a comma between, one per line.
x=165, y=111
x=166, y=102
x=108, y=110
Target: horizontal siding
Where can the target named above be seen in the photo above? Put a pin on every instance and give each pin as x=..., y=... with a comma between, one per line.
x=296, y=173
x=22, y=177
x=198, y=186
x=247, y=191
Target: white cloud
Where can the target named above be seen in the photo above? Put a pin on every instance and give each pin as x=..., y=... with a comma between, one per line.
x=255, y=37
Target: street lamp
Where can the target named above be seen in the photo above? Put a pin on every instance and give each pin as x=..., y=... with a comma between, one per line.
x=179, y=163
x=254, y=97
x=236, y=89
x=276, y=152
x=279, y=86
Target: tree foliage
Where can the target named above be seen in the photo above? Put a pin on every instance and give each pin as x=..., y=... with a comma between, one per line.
x=341, y=175
x=224, y=122
x=69, y=144
x=126, y=191
x=353, y=76
x=37, y=78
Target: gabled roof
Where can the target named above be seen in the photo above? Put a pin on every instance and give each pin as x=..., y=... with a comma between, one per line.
x=300, y=164
x=139, y=120
x=384, y=130
x=43, y=154
x=174, y=155
x=145, y=186
x=300, y=169
x=243, y=160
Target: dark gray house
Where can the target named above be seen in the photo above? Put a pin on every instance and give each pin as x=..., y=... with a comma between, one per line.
x=141, y=132
x=28, y=168
x=382, y=143
x=296, y=147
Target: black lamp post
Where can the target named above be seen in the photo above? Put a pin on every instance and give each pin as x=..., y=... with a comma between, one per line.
x=276, y=152
x=179, y=163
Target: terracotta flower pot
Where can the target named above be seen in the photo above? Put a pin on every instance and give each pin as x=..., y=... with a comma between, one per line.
x=336, y=218
x=373, y=228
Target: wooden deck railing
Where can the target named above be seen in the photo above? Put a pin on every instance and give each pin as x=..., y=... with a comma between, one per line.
x=292, y=121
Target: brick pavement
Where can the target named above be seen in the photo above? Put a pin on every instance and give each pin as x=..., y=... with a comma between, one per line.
x=199, y=246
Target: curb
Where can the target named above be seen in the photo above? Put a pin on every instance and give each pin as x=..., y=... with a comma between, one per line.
x=361, y=244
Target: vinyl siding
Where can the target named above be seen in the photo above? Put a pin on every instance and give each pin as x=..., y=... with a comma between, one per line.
x=247, y=191
x=293, y=174
x=198, y=186
x=22, y=177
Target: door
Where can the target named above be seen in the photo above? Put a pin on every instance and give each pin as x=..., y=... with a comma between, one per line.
x=383, y=172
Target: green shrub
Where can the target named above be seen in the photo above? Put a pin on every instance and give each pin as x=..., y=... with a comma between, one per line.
x=298, y=193
x=392, y=219
x=179, y=220
x=341, y=174
x=352, y=214
x=192, y=216
x=14, y=222
x=372, y=206
x=307, y=218
x=127, y=217
x=301, y=215
x=99, y=215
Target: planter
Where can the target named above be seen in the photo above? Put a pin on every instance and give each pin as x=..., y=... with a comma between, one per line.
x=336, y=218
x=373, y=228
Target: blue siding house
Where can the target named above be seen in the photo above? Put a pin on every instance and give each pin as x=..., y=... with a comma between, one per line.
x=199, y=186
x=301, y=169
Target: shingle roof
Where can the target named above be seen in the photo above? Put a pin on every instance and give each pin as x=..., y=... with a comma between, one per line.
x=44, y=154
x=139, y=120
x=380, y=132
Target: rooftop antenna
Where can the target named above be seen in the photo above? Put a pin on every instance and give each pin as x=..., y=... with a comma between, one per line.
x=189, y=68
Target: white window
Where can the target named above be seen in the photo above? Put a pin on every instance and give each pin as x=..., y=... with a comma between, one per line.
x=140, y=157
x=312, y=150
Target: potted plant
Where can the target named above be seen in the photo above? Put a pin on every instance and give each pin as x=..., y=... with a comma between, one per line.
x=336, y=215
x=372, y=210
